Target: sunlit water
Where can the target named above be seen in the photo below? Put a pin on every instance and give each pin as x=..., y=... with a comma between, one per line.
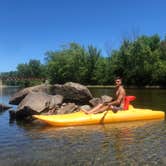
x=132, y=143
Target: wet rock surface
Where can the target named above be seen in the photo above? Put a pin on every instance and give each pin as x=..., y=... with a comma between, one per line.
x=50, y=99
x=54, y=99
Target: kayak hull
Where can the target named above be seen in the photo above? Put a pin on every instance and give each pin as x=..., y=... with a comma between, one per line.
x=80, y=118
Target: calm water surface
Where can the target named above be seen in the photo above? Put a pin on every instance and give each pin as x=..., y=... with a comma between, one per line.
x=134, y=143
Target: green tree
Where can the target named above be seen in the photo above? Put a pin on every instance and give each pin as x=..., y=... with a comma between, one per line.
x=31, y=72
x=99, y=74
x=68, y=64
x=93, y=56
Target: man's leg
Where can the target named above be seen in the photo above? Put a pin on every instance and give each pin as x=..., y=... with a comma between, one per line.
x=102, y=109
x=96, y=108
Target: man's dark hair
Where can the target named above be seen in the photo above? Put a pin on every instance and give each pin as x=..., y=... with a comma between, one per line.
x=118, y=78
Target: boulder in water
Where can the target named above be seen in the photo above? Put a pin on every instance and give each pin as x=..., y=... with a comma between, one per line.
x=73, y=92
x=20, y=95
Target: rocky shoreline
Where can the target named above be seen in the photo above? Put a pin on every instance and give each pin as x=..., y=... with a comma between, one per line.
x=53, y=99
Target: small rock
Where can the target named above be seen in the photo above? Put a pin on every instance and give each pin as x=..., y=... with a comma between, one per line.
x=69, y=108
x=85, y=107
x=12, y=114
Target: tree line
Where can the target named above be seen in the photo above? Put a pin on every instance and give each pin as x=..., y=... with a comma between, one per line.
x=139, y=62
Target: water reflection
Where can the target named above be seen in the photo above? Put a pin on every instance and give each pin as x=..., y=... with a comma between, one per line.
x=96, y=144
x=130, y=143
x=111, y=143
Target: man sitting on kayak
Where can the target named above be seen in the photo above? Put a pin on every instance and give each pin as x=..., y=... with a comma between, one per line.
x=115, y=105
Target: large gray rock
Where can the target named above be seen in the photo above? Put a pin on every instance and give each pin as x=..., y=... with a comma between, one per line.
x=36, y=99
x=73, y=92
x=19, y=96
x=37, y=102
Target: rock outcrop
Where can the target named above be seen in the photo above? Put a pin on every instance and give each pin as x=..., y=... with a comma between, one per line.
x=71, y=92
x=36, y=103
x=19, y=96
x=50, y=99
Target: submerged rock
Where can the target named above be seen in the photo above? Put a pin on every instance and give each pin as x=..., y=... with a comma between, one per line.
x=12, y=114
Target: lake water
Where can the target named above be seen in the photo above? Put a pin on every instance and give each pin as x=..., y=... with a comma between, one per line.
x=132, y=143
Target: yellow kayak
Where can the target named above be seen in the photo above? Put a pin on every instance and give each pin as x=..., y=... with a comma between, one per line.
x=80, y=118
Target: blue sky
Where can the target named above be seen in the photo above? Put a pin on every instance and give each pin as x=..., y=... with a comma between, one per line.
x=29, y=28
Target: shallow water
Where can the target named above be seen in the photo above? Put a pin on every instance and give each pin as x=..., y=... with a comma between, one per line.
x=132, y=143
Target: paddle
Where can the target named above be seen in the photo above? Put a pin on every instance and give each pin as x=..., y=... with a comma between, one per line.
x=102, y=119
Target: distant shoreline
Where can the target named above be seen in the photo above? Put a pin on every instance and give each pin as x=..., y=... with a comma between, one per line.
x=128, y=87
x=100, y=86
x=6, y=86
x=108, y=86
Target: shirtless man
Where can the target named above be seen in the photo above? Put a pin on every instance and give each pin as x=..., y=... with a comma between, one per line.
x=115, y=105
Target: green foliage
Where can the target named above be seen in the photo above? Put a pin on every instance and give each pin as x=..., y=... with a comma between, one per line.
x=27, y=74
x=33, y=69
x=72, y=63
x=139, y=62
x=99, y=74
x=93, y=56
